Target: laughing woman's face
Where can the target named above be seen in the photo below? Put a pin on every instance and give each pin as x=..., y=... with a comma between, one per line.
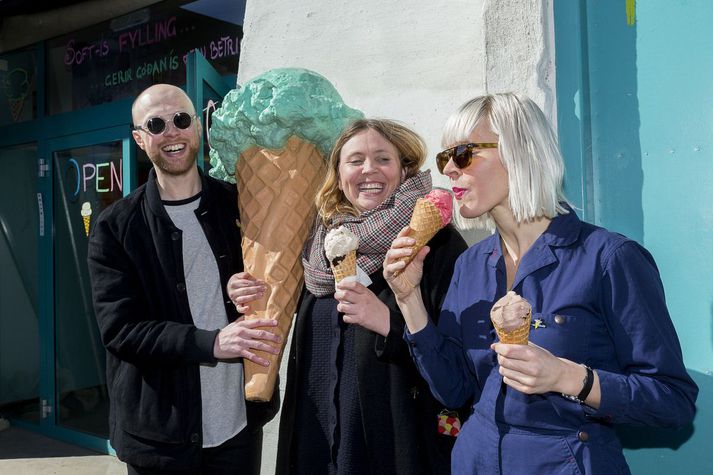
x=369, y=170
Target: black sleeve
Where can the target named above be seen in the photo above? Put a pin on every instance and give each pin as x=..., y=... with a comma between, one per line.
x=123, y=310
x=438, y=267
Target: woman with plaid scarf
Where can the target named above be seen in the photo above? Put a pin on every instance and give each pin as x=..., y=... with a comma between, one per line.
x=354, y=402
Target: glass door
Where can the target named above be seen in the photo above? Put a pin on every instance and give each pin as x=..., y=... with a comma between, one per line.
x=19, y=313
x=89, y=172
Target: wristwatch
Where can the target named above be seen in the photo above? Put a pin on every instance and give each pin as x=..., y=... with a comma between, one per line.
x=587, y=384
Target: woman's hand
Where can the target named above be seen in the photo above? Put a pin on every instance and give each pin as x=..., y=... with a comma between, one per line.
x=402, y=278
x=529, y=368
x=534, y=370
x=360, y=306
x=244, y=288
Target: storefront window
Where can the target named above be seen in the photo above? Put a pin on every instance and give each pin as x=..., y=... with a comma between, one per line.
x=119, y=58
x=86, y=180
x=18, y=86
x=20, y=215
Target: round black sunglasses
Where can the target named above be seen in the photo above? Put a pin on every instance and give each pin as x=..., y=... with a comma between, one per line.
x=156, y=125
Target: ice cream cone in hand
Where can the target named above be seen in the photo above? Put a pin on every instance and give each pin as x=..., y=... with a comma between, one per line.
x=431, y=213
x=340, y=246
x=511, y=316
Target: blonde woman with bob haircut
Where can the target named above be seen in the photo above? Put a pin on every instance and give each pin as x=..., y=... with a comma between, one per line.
x=602, y=348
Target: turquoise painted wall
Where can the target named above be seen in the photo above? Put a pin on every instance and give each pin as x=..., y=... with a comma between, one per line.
x=635, y=107
x=675, y=71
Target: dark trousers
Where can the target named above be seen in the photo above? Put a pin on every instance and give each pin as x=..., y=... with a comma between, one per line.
x=240, y=455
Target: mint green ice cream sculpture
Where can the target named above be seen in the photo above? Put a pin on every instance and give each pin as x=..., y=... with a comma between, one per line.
x=273, y=135
x=272, y=107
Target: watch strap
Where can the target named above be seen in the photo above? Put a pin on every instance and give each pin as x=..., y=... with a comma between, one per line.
x=587, y=384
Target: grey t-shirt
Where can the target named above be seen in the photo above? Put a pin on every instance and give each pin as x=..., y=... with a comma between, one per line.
x=222, y=396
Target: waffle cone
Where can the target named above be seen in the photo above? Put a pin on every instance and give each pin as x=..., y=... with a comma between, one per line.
x=346, y=267
x=425, y=223
x=518, y=336
x=86, y=219
x=276, y=190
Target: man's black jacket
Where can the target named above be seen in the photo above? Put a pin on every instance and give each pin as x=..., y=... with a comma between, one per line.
x=153, y=348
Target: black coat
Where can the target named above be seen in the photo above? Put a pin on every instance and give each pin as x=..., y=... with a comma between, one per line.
x=153, y=348
x=399, y=415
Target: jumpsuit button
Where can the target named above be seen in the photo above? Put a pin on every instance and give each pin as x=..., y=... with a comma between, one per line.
x=181, y=287
x=583, y=436
x=175, y=235
x=195, y=438
x=560, y=320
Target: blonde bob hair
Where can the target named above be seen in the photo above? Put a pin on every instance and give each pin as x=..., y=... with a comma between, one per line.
x=528, y=150
x=330, y=199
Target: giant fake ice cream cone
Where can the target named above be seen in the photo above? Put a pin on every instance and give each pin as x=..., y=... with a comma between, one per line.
x=430, y=214
x=279, y=127
x=276, y=191
x=511, y=317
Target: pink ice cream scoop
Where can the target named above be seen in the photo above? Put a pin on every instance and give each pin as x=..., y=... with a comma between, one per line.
x=443, y=202
x=431, y=213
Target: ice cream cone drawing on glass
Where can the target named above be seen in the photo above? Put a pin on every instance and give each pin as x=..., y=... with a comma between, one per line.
x=86, y=213
x=17, y=88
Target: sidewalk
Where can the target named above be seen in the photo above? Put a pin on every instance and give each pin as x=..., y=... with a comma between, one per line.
x=27, y=453
x=24, y=452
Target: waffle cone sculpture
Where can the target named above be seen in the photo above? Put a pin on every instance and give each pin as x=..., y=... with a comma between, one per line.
x=430, y=214
x=271, y=136
x=346, y=267
x=276, y=190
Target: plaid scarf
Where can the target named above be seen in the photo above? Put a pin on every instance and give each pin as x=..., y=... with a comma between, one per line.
x=376, y=230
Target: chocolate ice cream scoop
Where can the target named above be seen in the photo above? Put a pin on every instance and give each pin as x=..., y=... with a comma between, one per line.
x=511, y=318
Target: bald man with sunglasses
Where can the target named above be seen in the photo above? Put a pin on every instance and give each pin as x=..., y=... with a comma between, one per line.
x=160, y=260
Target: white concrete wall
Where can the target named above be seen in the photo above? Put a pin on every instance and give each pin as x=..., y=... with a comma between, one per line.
x=415, y=61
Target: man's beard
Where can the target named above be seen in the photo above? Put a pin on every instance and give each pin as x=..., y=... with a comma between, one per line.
x=173, y=167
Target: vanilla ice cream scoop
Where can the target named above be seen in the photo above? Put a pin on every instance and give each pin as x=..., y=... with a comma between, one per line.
x=86, y=209
x=339, y=242
x=510, y=311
